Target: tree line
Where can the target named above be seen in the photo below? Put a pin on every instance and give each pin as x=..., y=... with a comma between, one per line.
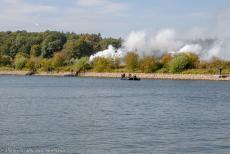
x=22, y=49
x=167, y=63
x=57, y=51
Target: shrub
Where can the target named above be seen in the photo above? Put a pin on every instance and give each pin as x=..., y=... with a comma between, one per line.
x=131, y=61
x=193, y=60
x=203, y=65
x=20, y=61
x=116, y=63
x=47, y=65
x=101, y=64
x=148, y=64
x=163, y=70
x=216, y=63
x=34, y=64
x=5, y=60
x=81, y=64
x=179, y=63
x=58, y=60
x=165, y=60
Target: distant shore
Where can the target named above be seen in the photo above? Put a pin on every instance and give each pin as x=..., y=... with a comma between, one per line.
x=153, y=76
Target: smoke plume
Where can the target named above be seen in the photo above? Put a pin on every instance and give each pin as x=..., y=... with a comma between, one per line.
x=111, y=52
x=213, y=41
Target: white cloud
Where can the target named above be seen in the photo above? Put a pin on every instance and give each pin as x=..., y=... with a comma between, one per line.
x=15, y=12
x=21, y=7
x=223, y=22
x=92, y=2
x=103, y=6
x=19, y=14
x=82, y=16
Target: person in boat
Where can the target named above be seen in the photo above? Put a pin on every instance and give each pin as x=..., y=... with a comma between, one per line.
x=130, y=76
x=134, y=77
x=123, y=76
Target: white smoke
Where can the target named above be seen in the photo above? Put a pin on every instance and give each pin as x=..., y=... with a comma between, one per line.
x=111, y=52
x=209, y=42
x=196, y=48
x=148, y=44
x=136, y=41
x=167, y=41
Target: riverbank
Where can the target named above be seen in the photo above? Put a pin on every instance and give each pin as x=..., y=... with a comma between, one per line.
x=153, y=76
x=24, y=73
x=158, y=76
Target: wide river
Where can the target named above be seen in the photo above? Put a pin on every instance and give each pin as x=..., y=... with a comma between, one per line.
x=87, y=115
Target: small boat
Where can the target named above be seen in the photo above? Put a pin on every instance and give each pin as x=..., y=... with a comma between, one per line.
x=69, y=75
x=30, y=73
x=133, y=79
x=137, y=79
x=130, y=77
x=223, y=76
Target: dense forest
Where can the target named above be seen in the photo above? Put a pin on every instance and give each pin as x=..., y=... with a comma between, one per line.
x=50, y=49
x=46, y=44
x=57, y=51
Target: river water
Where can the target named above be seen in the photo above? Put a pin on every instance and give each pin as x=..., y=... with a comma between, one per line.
x=88, y=115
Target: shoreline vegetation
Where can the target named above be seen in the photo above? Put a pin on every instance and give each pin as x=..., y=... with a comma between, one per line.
x=53, y=53
x=151, y=76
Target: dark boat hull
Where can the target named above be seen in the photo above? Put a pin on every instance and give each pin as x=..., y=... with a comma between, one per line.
x=131, y=79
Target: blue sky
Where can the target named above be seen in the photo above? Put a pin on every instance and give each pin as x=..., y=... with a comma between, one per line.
x=109, y=17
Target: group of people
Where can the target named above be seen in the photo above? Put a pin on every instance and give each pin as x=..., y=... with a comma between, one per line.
x=130, y=76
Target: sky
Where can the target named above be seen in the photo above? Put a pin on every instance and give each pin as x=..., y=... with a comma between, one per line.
x=115, y=18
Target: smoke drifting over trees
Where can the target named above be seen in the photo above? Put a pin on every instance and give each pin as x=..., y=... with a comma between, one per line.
x=169, y=41
x=206, y=42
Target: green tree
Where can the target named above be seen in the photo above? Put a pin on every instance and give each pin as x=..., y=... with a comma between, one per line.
x=54, y=42
x=93, y=40
x=104, y=43
x=78, y=48
x=84, y=48
x=35, y=51
x=71, y=48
